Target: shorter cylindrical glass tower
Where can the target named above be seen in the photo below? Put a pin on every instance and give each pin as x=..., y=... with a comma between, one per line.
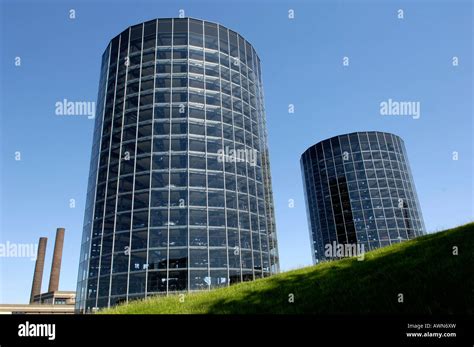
x=359, y=191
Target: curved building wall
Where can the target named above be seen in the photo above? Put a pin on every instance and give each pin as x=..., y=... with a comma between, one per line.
x=179, y=193
x=359, y=190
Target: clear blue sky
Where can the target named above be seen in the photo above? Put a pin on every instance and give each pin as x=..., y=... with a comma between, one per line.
x=406, y=60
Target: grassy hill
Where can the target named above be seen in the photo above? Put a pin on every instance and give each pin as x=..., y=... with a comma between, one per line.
x=424, y=270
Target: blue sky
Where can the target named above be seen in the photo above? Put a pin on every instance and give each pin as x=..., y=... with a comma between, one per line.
x=389, y=58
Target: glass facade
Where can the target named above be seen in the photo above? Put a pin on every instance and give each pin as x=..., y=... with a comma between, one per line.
x=165, y=211
x=359, y=190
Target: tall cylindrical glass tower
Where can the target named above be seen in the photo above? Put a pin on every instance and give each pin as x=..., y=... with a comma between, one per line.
x=359, y=190
x=179, y=194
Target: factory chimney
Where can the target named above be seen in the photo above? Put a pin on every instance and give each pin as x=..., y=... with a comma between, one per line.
x=56, y=264
x=39, y=266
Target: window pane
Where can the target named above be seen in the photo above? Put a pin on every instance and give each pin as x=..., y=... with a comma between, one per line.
x=198, y=258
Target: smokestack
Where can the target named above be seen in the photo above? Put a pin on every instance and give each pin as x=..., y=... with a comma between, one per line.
x=39, y=266
x=56, y=265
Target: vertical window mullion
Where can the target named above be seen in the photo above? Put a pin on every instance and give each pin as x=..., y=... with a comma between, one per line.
x=151, y=164
x=135, y=166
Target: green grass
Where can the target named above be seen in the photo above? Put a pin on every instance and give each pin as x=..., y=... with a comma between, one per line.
x=424, y=270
